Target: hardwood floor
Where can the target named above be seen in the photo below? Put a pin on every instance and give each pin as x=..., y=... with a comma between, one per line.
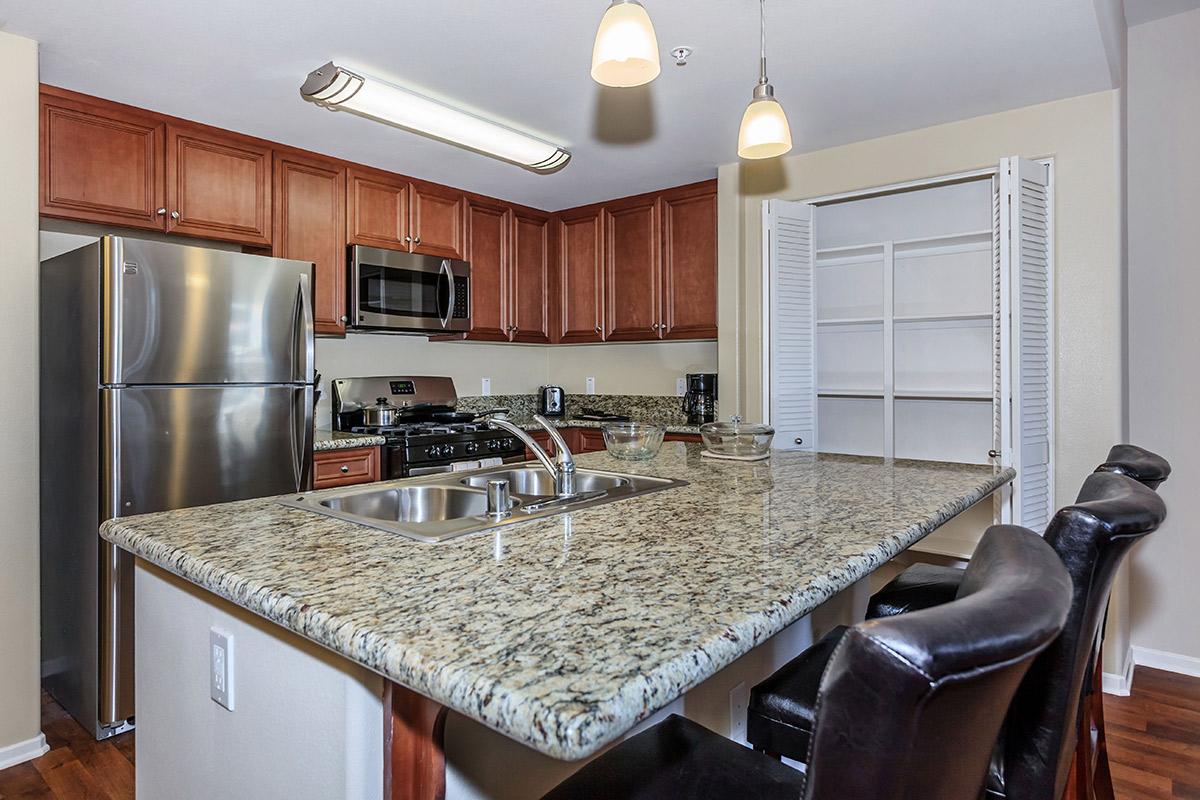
x=1153, y=739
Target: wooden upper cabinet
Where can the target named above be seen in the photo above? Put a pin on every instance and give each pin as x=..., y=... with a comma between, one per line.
x=101, y=164
x=218, y=185
x=377, y=209
x=689, y=224
x=310, y=225
x=488, y=226
x=581, y=275
x=437, y=221
x=530, y=277
x=633, y=270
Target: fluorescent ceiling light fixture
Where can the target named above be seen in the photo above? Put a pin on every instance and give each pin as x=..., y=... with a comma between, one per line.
x=339, y=89
x=765, y=132
x=626, y=49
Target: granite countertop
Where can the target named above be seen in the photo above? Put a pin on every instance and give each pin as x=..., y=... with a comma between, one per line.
x=336, y=440
x=564, y=632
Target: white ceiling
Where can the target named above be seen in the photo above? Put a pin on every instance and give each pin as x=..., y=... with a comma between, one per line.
x=1139, y=11
x=845, y=71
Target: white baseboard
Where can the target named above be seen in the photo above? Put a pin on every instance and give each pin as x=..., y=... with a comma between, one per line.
x=21, y=752
x=1119, y=684
x=1171, y=662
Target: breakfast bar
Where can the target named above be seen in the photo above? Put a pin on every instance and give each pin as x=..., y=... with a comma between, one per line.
x=564, y=632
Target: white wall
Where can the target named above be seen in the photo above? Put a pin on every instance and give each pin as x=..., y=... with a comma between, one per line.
x=1164, y=342
x=1083, y=136
x=19, y=628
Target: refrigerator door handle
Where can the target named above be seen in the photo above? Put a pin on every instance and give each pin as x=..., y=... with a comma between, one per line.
x=304, y=328
x=112, y=266
x=303, y=442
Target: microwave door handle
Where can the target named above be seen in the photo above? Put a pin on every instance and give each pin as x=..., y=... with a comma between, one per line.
x=446, y=280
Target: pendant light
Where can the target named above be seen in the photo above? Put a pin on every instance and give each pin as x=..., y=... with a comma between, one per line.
x=626, y=49
x=765, y=132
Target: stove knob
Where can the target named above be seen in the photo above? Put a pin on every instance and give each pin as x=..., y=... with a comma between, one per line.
x=429, y=451
x=472, y=447
x=508, y=443
x=493, y=444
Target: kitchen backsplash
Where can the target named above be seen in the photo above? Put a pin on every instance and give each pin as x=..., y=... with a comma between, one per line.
x=647, y=408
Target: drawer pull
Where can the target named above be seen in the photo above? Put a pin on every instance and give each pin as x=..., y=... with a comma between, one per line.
x=345, y=469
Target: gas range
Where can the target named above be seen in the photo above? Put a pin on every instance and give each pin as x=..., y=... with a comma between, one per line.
x=421, y=443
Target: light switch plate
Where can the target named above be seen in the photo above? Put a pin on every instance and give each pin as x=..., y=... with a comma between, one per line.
x=591, y=385
x=220, y=667
x=486, y=389
x=680, y=387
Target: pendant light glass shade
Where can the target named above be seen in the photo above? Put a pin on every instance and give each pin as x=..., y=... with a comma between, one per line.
x=765, y=132
x=626, y=49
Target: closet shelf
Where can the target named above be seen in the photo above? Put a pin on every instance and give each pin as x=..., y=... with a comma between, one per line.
x=850, y=393
x=947, y=240
x=851, y=321
x=942, y=394
x=942, y=317
x=871, y=248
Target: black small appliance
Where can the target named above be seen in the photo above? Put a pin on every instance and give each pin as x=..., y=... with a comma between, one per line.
x=552, y=401
x=700, y=402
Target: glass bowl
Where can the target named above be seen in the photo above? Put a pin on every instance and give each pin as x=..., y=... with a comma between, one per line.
x=633, y=441
x=736, y=438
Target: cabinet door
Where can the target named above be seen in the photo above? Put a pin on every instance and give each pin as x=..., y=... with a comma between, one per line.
x=689, y=222
x=377, y=210
x=530, y=283
x=591, y=440
x=218, y=186
x=580, y=275
x=310, y=225
x=633, y=270
x=489, y=225
x=437, y=221
x=99, y=164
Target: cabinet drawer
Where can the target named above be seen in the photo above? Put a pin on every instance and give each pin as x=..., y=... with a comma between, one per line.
x=345, y=467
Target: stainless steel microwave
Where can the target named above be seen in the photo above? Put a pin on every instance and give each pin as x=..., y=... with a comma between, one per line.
x=395, y=291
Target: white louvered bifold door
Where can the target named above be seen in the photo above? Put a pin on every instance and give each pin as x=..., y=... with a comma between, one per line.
x=1027, y=430
x=793, y=364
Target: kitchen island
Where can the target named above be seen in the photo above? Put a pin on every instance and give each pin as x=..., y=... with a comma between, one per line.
x=563, y=633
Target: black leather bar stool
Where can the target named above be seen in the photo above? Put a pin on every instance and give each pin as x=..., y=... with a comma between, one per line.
x=1091, y=537
x=909, y=707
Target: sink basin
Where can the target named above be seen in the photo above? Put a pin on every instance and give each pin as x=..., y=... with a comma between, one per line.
x=537, y=482
x=434, y=509
x=412, y=503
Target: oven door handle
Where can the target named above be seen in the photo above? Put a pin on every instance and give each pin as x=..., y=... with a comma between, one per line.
x=446, y=298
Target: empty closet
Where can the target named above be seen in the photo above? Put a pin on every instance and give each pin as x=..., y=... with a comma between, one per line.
x=915, y=322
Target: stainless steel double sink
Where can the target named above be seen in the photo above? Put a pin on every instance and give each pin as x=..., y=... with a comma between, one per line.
x=455, y=504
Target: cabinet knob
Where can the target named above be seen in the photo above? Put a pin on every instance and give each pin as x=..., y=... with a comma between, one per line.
x=408, y=239
x=174, y=215
x=993, y=454
x=345, y=469
x=798, y=440
x=417, y=240
x=597, y=329
x=162, y=212
x=345, y=318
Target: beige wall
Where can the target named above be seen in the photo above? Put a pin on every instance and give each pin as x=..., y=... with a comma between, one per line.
x=1083, y=136
x=19, y=632
x=1164, y=343
x=517, y=369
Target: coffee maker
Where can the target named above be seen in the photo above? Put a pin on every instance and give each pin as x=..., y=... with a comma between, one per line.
x=700, y=401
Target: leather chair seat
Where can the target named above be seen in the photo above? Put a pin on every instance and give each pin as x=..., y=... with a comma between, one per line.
x=783, y=708
x=678, y=758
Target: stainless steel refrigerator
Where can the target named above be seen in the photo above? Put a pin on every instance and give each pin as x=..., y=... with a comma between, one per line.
x=171, y=376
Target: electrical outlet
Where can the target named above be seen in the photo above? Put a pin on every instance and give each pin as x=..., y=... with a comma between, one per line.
x=220, y=670
x=739, y=702
x=591, y=385
x=680, y=387
x=486, y=389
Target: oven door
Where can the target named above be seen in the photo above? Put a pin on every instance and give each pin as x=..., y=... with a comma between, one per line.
x=393, y=290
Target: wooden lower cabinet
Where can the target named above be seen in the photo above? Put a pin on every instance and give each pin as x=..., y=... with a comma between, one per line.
x=345, y=467
x=310, y=225
x=589, y=440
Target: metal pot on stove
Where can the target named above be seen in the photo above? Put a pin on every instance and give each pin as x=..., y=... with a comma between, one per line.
x=383, y=414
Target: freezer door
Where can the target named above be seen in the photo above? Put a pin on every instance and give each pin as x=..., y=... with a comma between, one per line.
x=189, y=315
x=173, y=447
x=190, y=446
